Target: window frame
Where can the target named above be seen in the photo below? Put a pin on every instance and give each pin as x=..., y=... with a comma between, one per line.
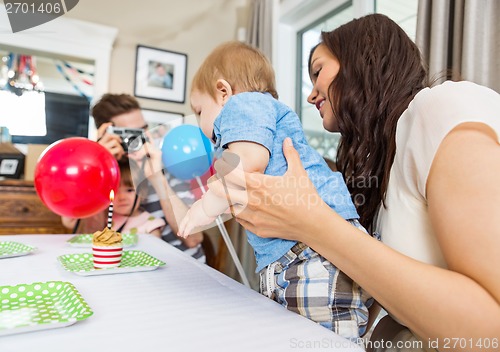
x=293, y=17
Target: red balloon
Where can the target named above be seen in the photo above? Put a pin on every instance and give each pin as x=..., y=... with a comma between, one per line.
x=74, y=177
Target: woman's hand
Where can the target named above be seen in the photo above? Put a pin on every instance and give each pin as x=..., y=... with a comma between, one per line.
x=270, y=206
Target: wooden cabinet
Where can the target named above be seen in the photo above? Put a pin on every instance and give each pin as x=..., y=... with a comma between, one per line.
x=22, y=212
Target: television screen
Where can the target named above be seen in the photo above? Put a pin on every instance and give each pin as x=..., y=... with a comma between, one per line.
x=65, y=116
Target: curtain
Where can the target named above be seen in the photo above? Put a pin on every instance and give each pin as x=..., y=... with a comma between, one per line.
x=260, y=27
x=460, y=39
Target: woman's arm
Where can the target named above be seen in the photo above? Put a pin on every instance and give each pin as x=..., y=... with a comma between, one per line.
x=460, y=303
x=173, y=208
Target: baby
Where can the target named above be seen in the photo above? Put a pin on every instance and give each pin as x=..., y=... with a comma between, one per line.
x=234, y=97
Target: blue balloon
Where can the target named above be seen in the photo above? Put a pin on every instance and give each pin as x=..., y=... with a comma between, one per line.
x=187, y=153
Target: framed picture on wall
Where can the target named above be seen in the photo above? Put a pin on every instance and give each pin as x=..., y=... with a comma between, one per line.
x=160, y=74
x=161, y=122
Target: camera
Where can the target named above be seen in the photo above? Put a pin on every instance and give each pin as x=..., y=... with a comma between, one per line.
x=132, y=138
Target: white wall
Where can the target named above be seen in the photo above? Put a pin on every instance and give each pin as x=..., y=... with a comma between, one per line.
x=193, y=27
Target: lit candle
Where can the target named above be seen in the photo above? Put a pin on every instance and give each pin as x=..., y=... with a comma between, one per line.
x=110, y=210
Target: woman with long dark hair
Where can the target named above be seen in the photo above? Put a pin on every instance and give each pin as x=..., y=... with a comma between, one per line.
x=422, y=165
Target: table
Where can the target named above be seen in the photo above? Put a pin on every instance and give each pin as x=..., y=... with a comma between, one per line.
x=181, y=306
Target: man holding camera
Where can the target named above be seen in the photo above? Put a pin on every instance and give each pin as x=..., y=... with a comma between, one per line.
x=124, y=111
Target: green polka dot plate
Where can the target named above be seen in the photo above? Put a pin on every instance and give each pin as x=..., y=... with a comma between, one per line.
x=14, y=249
x=85, y=240
x=40, y=306
x=132, y=261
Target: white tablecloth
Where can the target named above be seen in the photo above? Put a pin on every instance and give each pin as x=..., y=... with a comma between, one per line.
x=182, y=306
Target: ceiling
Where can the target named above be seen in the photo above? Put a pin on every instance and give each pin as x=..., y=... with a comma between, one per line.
x=149, y=16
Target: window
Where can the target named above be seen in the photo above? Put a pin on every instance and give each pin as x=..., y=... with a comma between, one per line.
x=403, y=12
x=306, y=35
x=23, y=115
x=323, y=141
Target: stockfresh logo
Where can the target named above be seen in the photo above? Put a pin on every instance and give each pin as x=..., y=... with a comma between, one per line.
x=31, y=13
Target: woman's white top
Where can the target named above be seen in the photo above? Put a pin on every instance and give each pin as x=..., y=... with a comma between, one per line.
x=404, y=225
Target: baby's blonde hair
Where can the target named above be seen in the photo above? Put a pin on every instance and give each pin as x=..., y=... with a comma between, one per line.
x=244, y=67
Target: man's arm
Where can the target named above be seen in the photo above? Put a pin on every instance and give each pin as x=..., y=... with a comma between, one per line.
x=173, y=208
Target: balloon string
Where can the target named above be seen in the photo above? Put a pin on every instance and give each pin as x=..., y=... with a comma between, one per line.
x=227, y=240
x=76, y=225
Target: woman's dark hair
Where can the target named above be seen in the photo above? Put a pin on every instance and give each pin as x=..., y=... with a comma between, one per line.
x=381, y=71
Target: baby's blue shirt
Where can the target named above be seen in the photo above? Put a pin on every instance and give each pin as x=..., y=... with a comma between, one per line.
x=259, y=118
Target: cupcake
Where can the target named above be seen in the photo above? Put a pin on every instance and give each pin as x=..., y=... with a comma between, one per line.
x=107, y=249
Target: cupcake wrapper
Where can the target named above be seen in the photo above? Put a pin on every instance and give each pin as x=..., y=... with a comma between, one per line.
x=106, y=257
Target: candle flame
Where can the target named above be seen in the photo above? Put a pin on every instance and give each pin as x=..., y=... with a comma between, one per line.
x=111, y=195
